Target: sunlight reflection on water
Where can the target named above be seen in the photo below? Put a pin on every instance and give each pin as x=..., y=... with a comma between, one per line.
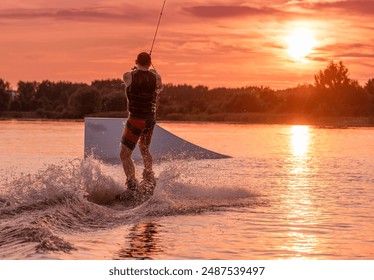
x=300, y=140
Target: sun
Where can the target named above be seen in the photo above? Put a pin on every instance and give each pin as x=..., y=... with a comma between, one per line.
x=301, y=42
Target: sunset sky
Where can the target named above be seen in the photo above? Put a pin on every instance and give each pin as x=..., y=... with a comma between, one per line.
x=215, y=43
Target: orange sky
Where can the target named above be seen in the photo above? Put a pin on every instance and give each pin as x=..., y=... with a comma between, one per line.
x=216, y=43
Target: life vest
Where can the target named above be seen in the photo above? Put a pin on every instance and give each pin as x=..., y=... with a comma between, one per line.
x=142, y=94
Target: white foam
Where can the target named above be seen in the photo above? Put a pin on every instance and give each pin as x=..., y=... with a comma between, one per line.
x=181, y=186
x=177, y=193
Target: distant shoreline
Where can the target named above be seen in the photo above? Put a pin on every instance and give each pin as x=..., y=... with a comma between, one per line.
x=233, y=118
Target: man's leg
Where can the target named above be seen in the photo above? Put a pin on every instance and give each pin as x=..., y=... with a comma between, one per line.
x=144, y=144
x=129, y=139
x=148, y=174
x=127, y=162
x=146, y=154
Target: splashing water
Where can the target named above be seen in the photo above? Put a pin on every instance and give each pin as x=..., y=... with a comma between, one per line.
x=305, y=190
x=70, y=197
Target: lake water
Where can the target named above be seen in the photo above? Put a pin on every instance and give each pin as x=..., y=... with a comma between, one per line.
x=286, y=192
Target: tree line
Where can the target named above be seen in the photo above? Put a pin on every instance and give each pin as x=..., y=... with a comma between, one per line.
x=333, y=94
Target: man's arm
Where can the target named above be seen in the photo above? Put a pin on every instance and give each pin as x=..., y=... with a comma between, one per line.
x=127, y=78
x=159, y=83
x=159, y=86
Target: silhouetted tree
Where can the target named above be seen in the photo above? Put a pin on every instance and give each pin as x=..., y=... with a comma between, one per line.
x=85, y=101
x=298, y=100
x=269, y=99
x=337, y=94
x=369, y=86
x=4, y=95
x=109, y=86
x=333, y=93
x=27, y=96
x=15, y=105
x=334, y=77
x=114, y=101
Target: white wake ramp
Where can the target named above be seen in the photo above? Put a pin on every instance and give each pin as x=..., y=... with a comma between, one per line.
x=103, y=135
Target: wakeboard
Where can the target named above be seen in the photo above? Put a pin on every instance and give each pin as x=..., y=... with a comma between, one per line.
x=143, y=192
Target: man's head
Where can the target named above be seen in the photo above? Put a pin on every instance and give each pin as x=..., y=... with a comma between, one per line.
x=144, y=59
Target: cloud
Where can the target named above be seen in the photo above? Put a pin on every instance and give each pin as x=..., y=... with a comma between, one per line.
x=82, y=14
x=343, y=47
x=361, y=53
x=220, y=11
x=357, y=7
x=356, y=55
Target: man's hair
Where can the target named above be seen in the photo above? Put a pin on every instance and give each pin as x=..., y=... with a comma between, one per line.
x=144, y=59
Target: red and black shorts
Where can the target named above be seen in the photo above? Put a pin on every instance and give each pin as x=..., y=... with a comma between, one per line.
x=137, y=129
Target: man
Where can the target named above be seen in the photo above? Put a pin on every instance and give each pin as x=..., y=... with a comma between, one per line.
x=142, y=89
